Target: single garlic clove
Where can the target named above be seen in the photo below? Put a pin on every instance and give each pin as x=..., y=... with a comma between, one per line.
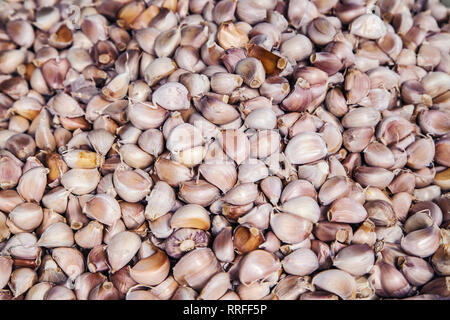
x=131, y=185
x=38, y=291
x=70, y=260
x=300, y=262
x=6, y=264
x=416, y=270
x=421, y=243
x=191, y=216
x=290, y=228
x=337, y=282
x=196, y=268
x=216, y=287
x=103, y=208
x=304, y=207
x=160, y=201
x=346, y=210
x=22, y=279
x=257, y=265
x=56, y=235
x=312, y=145
x=356, y=259
x=223, y=245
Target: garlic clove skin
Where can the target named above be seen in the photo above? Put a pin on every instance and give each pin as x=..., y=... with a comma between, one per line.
x=346, y=210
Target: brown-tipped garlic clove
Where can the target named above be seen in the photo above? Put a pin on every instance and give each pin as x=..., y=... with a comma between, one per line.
x=191, y=216
x=229, y=36
x=247, y=239
x=80, y=159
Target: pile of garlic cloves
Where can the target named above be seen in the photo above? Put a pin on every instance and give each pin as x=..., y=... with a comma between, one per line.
x=224, y=149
